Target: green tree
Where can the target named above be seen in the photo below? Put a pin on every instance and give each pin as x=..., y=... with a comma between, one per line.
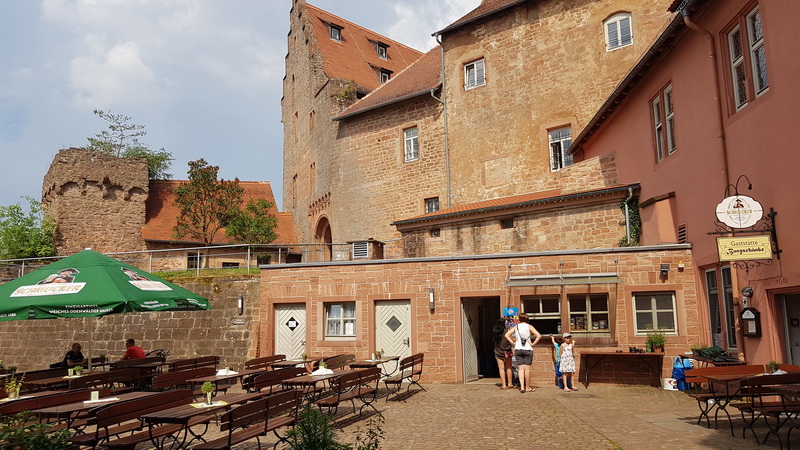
x=122, y=140
x=206, y=204
x=26, y=235
x=254, y=224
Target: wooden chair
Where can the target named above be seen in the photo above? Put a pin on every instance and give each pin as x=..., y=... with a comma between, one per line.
x=263, y=362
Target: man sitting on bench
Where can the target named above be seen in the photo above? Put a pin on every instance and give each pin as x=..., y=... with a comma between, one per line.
x=133, y=351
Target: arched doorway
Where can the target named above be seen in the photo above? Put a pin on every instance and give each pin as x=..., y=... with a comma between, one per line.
x=322, y=235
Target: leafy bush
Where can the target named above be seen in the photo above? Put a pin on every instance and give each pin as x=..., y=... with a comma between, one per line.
x=18, y=432
x=316, y=431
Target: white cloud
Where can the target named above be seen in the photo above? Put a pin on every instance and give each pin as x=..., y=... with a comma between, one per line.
x=118, y=76
x=418, y=20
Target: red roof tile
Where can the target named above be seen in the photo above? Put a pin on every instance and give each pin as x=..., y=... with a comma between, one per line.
x=486, y=8
x=417, y=79
x=356, y=57
x=162, y=214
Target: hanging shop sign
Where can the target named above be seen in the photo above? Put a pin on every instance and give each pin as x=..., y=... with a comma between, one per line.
x=739, y=211
x=744, y=248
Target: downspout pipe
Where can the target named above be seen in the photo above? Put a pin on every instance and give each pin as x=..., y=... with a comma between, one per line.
x=712, y=54
x=443, y=101
x=628, y=216
x=720, y=129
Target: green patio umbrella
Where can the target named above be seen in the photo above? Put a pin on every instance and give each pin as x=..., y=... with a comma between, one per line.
x=89, y=284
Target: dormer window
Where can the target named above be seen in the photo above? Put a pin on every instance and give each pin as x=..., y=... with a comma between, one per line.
x=383, y=50
x=385, y=76
x=336, y=32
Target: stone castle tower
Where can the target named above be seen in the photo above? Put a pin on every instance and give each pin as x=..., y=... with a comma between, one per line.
x=98, y=201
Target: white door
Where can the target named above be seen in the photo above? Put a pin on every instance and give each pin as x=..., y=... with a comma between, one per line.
x=791, y=306
x=393, y=328
x=469, y=333
x=290, y=330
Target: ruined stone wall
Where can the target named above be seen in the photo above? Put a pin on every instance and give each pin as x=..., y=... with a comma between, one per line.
x=98, y=201
x=546, y=67
x=34, y=344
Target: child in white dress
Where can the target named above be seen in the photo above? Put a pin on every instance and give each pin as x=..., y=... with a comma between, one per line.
x=567, y=362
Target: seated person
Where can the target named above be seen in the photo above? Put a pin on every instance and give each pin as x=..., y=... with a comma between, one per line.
x=133, y=351
x=74, y=357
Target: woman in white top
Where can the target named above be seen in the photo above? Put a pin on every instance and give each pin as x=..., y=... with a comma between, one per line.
x=520, y=336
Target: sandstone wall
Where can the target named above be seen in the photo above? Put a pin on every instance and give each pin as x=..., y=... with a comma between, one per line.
x=546, y=67
x=438, y=333
x=97, y=200
x=34, y=344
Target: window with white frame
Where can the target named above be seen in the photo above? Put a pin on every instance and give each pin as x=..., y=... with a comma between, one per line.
x=747, y=49
x=588, y=313
x=340, y=319
x=474, y=74
x=545, y=311
x=431, y=204
x=336, y=32
x=618, y=30
x=664, y=123
x=655, y=311
x=560, y=140
x=382, y=50
x=385, y=75
x=411, y=144
x=194, y=260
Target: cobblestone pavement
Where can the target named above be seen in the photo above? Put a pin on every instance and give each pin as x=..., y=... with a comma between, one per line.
x=483, y=416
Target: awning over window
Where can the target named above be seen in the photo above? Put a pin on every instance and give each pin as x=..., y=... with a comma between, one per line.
x=562, y=280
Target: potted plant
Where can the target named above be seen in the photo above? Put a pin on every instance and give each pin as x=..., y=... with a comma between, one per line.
x=656, y=341
x=323, y=365
x=697, y=347
x=77, y=370
x=102, y=358
x=13, y=385
x=303, y=356
x=773, y=366
x=378, y=354
x=208, y=389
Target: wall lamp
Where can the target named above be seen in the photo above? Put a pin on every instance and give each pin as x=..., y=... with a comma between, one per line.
x=431, y=299
x=664, y=270
x=240, y=305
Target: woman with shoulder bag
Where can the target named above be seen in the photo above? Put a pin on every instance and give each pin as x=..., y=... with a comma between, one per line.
x=520, y=336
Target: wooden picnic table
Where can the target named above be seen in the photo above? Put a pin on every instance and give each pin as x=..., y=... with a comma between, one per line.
x=69, y=412
x=382, y=362
x=183, y=414
x=308, y=383
x=231, y=375
x=293, y=362
x=52, y=382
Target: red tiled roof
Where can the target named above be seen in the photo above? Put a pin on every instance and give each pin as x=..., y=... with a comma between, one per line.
x=162, y=214
x=486, y=8
x=515, y=201
x=356, y=57
x=417, y=79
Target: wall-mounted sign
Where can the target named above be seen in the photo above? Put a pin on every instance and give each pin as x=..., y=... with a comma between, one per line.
x=751, y=322
x=739, y=211
x=744, y=248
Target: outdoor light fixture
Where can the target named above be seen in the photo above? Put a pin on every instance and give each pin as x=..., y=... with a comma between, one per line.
x=664, y=270
x=240, y=305
x=431, y=299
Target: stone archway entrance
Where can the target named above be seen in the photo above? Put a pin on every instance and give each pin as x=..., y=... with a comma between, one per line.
x=323, y=235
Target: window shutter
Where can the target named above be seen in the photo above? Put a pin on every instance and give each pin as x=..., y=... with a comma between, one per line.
x=360, y=250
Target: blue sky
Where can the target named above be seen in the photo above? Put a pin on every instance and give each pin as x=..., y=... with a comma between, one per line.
x=203, y=76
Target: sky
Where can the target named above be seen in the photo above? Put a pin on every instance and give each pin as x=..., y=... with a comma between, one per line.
x=203, y=76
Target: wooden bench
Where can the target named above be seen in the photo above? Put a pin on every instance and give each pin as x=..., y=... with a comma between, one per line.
x=242, y=423
x=53, y=398
x=123, y=417
x=708, y=399
x=39, y=375
x=117, y=382
x=128, y=363
x=761, y=398
x=264, y=362
x=410, y=370
x=337, y=362
x=194, y=363
x=178, y=380
x=358, y=384
x=271, y=380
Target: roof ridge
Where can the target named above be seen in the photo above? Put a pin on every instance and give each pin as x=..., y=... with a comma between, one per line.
x=309, y=5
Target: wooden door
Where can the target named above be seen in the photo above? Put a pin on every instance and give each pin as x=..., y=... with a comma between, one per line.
x=393, y=327
x=290, y=330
